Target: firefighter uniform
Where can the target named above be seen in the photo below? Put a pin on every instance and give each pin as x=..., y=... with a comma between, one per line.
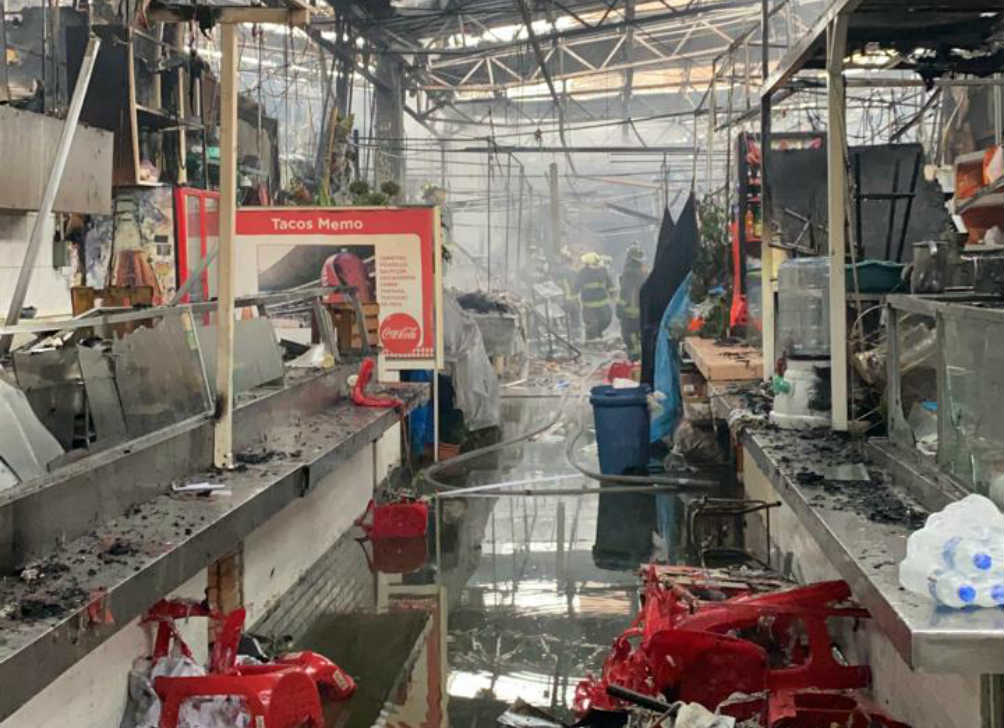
x=594, y=287
x=628, y=305
x=564, y=276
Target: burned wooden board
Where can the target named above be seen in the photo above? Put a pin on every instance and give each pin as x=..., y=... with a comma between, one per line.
x=719, y=362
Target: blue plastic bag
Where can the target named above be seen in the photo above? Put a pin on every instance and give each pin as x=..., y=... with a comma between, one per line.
x=666, y=378
x=420, y=423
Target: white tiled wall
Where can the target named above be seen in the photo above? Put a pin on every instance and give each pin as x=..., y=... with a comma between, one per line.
x=49, y=290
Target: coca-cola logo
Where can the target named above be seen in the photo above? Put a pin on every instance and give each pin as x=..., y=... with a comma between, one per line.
x=400, y=333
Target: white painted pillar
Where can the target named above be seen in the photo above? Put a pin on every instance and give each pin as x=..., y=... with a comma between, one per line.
x=836, y=180
x=223, y=441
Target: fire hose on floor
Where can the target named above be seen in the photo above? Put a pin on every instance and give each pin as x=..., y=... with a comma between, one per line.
x=646, y=483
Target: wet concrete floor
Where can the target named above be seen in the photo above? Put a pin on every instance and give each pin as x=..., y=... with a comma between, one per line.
x=530, y=611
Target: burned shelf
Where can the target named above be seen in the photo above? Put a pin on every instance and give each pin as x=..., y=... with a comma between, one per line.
x=80, y=594
x=862, y=530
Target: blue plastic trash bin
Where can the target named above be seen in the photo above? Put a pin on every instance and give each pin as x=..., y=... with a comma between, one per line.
x=621, y=419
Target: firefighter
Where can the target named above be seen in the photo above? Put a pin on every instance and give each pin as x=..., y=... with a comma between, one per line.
x=628, y=304
x=564, y=276
x=594, y=287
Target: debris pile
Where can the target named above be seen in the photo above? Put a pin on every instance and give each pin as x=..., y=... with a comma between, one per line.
x=501, y=302
x=751, y=648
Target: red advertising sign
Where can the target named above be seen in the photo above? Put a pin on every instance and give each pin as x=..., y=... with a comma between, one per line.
x=387, y=253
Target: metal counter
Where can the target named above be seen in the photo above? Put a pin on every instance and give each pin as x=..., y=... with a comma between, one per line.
x=867, y=553
x=94, y=584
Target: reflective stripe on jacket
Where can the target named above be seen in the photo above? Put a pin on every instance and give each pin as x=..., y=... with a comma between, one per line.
x=594, y=287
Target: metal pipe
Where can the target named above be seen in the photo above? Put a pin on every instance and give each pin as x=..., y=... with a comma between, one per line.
x=543, y=493
x=56, y=326
x=674, y=149
x=488, y=254
x=51, y=187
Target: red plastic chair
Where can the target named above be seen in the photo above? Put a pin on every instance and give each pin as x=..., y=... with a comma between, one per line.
x=282, y=694
x=284, y=699
x=788, y=612
x=321, y=670
x=403, y=518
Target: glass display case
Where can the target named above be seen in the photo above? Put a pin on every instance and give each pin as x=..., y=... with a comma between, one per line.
x=967, y=414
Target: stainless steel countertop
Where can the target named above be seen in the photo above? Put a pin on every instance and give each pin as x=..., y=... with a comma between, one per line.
x=867, y=555
x=123, y=565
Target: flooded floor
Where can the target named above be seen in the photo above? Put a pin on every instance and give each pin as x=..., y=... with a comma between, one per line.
x=529, y=611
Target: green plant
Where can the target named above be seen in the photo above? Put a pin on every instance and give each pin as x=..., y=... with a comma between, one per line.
x=712, y=262
x=713, y=267
x=359, y=187
x=375, y=199
x=390, y=188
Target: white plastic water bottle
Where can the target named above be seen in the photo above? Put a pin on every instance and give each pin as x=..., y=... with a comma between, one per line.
x=952, y=589
x=993, y=589
x=957, y=590
x=974, y=556
x=973, y=519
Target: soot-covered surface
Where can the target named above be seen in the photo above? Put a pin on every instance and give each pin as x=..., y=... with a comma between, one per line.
x=862, y=527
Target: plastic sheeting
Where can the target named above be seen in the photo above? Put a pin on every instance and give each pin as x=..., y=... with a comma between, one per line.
x=144, y=705
x=674, y=258
x=474, y=379
x=667, y=361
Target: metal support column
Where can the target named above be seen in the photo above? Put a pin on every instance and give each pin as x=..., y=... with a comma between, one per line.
x=442, y=165
x=555, y=209
x=519, y=217
x=767, y=251
x=388, y=126
x=51, y=188
x=223, y=456
x=712, y=108
x=508, y=205
x=488, y=229
x=4, y=74
x=836, y=182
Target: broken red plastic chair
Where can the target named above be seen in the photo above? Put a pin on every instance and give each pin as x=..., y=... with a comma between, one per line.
x=359, y=395
x=318, y=668
x=706, y=668
x=283, y=699
x=814, y=708
x=164, y=613
x=283, y=693
x=788, y=615
x=704, y=651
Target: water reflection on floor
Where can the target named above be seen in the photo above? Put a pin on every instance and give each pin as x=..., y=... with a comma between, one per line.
x=530, y=613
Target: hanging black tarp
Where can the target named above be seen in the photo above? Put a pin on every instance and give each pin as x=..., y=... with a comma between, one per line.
x=648, y=322
x=674, y=257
